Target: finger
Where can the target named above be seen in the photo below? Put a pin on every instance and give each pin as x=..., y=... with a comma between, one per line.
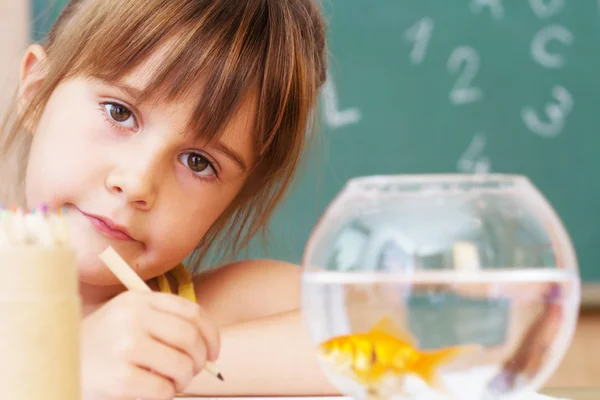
x=137, y=383
x=180, y=334
x=164, y=360
x=192, y=312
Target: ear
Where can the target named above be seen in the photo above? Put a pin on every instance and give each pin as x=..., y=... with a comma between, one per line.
x=32, y=73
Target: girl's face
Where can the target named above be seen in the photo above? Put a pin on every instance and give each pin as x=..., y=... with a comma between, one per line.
x=129, y=174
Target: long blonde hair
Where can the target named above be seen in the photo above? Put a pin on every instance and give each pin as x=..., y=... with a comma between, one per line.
x=275, y=46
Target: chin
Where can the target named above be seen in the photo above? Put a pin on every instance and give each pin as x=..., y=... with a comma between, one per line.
x=88, y=245
x=95, y=273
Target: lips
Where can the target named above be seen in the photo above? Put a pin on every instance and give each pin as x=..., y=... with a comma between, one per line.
x=108, y=228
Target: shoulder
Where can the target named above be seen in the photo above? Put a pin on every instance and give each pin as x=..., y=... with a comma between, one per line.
x=250, y=289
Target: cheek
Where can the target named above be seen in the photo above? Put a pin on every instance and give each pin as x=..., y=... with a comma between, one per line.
x=174, y=238
x=188, y=216
x=60, y=158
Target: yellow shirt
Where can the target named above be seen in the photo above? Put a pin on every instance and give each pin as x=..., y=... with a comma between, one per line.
x=185, y=285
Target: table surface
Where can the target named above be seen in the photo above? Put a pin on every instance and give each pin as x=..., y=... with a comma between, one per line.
x=567, y=393
x=574, y=393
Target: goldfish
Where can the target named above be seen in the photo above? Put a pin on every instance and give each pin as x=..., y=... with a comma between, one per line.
x=383, y=351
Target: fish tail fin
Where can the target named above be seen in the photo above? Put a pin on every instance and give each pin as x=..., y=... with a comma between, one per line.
x=430, y=363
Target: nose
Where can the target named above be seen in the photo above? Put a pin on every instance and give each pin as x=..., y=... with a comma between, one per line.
x=135, y=182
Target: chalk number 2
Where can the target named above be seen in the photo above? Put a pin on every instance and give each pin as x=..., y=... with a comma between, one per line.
x=464, y=61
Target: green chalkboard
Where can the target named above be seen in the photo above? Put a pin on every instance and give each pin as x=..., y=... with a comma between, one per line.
x=427, y=86
x=441, y=320
x=44, y=14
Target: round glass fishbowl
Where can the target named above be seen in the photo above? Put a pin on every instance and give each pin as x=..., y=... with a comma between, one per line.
x=440, y=287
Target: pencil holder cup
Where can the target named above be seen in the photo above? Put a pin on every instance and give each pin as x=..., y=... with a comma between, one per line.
x=40, y=315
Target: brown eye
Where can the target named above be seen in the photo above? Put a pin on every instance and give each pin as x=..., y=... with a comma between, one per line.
x=120, y=116
x=197, y=163
x=200, y=165
x=119, y=113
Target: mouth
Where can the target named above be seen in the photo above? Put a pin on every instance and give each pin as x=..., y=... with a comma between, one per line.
x=108, y=228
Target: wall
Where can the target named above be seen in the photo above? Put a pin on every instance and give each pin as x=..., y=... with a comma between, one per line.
x=581, y=365
x=14, y=36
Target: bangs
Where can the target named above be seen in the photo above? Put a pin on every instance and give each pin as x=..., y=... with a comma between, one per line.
x=199, y=61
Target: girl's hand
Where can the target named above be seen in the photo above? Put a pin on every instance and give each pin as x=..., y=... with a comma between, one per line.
x=145, y=346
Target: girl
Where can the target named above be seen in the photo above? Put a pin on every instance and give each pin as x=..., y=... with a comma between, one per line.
x=170, y=127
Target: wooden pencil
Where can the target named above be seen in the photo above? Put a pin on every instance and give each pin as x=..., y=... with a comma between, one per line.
x=132, y=281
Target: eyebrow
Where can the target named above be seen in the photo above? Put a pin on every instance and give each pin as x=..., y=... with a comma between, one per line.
x=231, y=154
x=131, y=91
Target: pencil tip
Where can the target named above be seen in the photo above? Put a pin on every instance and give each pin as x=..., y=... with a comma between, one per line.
x=220, y=376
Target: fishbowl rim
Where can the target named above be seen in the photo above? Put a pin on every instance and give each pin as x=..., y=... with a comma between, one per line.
x=357, y=183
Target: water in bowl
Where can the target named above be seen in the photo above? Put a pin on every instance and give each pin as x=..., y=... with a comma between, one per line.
x=481, y=335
